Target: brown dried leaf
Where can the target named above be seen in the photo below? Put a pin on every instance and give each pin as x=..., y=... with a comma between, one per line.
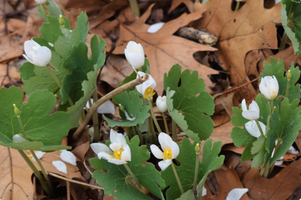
x=164, y=49
x=251, y=27
x=281, y=186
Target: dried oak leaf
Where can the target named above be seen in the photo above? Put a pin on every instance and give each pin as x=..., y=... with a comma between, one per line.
x=163, y=49
x=15, y=174
x=251, y=27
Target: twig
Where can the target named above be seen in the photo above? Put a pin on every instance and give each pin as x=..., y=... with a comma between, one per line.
x=105, y=98
x=74, y=181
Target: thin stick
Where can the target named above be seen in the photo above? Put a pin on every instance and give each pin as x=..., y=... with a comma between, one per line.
x=105, y=98
x=74, y=181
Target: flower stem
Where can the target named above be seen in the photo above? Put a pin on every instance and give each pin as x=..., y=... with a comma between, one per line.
x=165, y=123
x=37, y=174
x=283, y=42
x=153, y=116
x=174, y=131
x=196, y=170
x=135, y=7
x=237, y=5
x=95, y=119
x=49, y=67
x=103, y=99
x=259, y=127
x=133, y=177
x=45, y=174
x=177, y=178
x=43, y=6
x=136, y=128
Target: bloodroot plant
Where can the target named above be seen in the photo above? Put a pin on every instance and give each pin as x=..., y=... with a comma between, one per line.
x=271, y=124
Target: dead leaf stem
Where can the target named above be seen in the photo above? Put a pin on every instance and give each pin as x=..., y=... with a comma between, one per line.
x=105, y=98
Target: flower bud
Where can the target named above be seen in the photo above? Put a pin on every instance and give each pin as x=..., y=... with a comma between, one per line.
x=36, y=54
x=161, y=103
x=252, y=113
x=61, y=21
x=269, y=87
x=16, y=110
x=289, y=75
x=134, y=54
x=197, y=148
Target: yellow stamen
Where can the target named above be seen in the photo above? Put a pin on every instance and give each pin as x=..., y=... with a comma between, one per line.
x=149, y=93
x=117, y=154
x=167, y=154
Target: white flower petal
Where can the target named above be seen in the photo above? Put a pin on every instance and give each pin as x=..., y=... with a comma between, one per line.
x=155, y=27
x=126, y=154
x=99, y=147
x=39, y=154
x=18, y=138
x=236, y=193
x=253, y=129
x=156, y=151
x=161, y=103
x=165, y=141
x=269, y=87
x=43, y=56
x=134, y=54
x=106, y=108
x=204, y=193
x=116, y=161
x=128, y=117
x=113, y=136
x=60, y=166
x=252, y=113
x=150, y=82
x=292, y=150
x=244, y=105
x=116, y=146
x=68, y=157
x=164, y=164
x=174, y=149
x=105, y=155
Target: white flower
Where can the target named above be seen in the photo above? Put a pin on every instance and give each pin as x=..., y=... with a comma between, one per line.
x=36, y=54
x=40, y=1
x=155, y=27
x=147, y=87
x=134, y=53
x=252, y=113
x=118, y=153
x=170, y=150
x=253, y=129
x=68, y=157
x=161, y=103
x=269, y=87
x=236, y=193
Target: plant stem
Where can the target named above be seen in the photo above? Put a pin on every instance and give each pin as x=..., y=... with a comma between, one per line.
x=152, y=130
x=154, y=116
x=174, y=131
x=196, y=170
x=49, y=67
x=259, y=127
x=43, y=6
x=105, y=98
x=133, y=177
x=136, y=128
x=165, y=123
x=45, y=174
x=37, y=174
x=283, y=42
x=135, y=7
x=237, y=5
x=95, y=120
x=177, y=178
x=287, y=87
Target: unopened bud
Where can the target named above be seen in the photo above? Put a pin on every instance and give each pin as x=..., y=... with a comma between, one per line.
x=61, y=21
x=197, y=148
x=16, y=110
x=289, y=75
x=121, y=107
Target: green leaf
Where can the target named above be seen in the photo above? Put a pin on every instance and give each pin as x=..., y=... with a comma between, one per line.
x=258, y=150
x=190, y=105
x=88, y=86
x=39, y=126
x=113, y=179
x=290, y=17
x=51, y=30
x=187, y=159
x=277, y=69
x=133, y=105
x=53, y=9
